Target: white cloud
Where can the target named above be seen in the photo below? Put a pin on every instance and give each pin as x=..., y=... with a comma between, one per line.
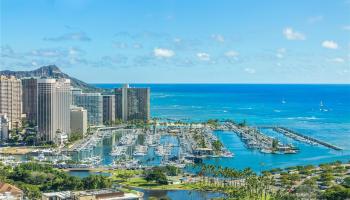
x=72, y=51
x=250, y=70
x=281, y=52
x=7, y=51
x=291, y=34
x=231, y=54
x=218, y=37
x=279, y=55
x=203, y=56
x=47, y=53
x=34, y=63
x=137, y=46
x=337, y=60
x=329, y=44
x=120, y=45
x=77, y=36
x=315, y=19
x=163, y=53
x=346, y=28
x=177, y=40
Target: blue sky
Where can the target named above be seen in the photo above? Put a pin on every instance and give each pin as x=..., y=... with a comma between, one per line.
x=180, y=41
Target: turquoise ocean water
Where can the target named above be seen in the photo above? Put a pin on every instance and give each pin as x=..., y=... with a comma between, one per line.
x=321, y=111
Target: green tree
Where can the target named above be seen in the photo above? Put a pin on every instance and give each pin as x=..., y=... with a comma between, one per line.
x=171, y=170
x=96, y=182
x=346, y=182
x=336, y=193
x=217, y=145
x=157, y=175
x=274, y=144
x=214, y=123
x=75, y=136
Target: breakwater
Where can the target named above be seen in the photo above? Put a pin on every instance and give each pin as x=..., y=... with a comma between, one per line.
x=301, y=137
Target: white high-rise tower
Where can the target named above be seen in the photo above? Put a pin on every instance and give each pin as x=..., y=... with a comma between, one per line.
x=54, y=101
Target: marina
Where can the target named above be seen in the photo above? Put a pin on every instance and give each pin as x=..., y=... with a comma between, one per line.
x=255, y=139
x=136, y=148
x=303, y=138
x=166, y=143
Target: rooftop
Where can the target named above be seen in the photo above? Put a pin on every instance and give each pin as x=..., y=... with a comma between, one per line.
x=5, y=187
x=101, y=193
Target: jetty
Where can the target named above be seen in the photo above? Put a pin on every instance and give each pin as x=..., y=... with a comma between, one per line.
x=301, y=137
x=255, y=139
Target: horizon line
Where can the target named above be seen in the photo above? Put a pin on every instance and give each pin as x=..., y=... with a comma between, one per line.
x=202, y=83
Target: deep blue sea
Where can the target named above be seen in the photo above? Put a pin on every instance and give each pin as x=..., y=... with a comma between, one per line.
x=321, y=111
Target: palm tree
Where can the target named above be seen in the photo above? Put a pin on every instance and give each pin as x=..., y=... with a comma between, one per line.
x=211, y=170
x=248, y=172
x=202, y=172
x=217, y=174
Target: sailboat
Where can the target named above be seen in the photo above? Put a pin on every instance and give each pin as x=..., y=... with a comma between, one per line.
x=322, y=107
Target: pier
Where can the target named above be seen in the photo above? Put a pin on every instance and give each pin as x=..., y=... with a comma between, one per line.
x=301, y=137
x=255, y=139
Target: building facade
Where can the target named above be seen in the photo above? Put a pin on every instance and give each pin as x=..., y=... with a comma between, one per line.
x=29, y=99
x=11, y=100
x=108, y=109
x=4, y=127
x=132, y=103
x=54, y=101
x=93, y=103
x=78, y=120
x=75, y=91
x=118, y=93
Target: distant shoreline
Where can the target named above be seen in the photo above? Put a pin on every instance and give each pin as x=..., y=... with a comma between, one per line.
x=330, y=84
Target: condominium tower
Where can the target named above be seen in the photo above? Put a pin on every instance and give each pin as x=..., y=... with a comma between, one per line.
x=54, y=101
x=118, y=93
x=132, y=103
x=4, y=128
x=108, y=108
x=78, y=117
x=93, y=103
x=11, y=100
x=29, y=99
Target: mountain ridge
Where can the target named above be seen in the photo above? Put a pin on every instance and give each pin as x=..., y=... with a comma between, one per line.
x=50, y=71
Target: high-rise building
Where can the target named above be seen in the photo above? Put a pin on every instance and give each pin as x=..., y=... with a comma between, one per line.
x=108, y=108
x=54, y=101
x=4, y=127
x=78, y=120
x=29, y=99
x=93, y=103
x=75, y=91
x=132, y=103
x=118, y=92
x=11, y=100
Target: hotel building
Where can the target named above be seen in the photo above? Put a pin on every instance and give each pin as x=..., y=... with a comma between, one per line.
x=93, y=103
x=54, y=101
x=29, y=99
x=108, y=108
x=132, y=103
x=78, y=120
x=11, y=100
x=4, y=127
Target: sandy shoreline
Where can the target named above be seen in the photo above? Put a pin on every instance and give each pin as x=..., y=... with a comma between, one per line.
x=16, y=150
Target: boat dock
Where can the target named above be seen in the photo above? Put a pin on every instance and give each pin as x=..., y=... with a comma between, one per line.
x=255, y=139
x=295, y=135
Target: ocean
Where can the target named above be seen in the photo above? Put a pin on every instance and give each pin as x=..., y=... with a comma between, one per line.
x=321, y=111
